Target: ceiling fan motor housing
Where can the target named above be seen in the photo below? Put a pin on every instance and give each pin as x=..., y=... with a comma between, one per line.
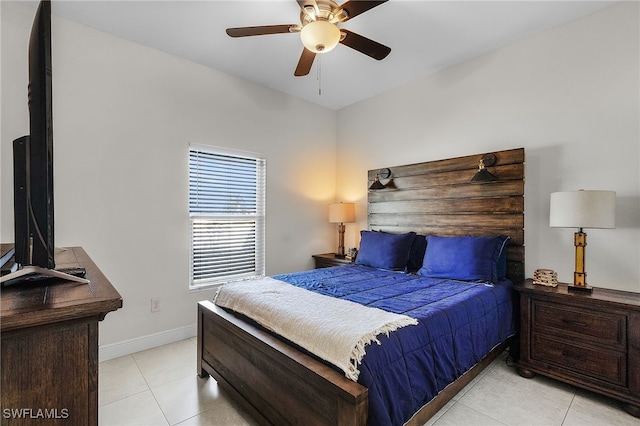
x=325, y=11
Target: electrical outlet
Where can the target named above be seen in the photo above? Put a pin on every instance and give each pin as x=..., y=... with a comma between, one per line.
x=155, y=304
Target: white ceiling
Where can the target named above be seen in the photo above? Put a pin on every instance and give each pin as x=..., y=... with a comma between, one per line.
x=424, y=37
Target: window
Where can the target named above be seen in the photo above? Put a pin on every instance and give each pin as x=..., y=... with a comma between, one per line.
x=226, y=208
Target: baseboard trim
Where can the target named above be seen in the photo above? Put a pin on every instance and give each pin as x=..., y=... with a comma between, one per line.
x=127, y=347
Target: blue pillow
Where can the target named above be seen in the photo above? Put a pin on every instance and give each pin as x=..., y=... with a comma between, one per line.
x=384, y=251
x=463, y=258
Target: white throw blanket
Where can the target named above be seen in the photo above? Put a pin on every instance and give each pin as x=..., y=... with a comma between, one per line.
x=333, y=329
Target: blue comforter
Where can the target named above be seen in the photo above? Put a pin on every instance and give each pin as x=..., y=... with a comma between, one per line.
x=459, y=323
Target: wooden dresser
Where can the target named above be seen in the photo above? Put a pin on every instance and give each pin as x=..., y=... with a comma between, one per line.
x=50, y=346
x=590, y=340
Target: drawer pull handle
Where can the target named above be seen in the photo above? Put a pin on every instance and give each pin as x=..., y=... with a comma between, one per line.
x=573, y=322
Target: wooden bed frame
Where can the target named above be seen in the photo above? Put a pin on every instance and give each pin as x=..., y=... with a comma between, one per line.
x=277, y=383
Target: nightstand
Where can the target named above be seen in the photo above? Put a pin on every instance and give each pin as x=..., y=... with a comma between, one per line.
x=326, y=260
x=590, y=340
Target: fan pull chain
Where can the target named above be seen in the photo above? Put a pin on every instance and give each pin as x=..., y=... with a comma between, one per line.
x=319, y=77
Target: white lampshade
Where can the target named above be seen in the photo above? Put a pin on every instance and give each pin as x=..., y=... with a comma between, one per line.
x=583, y=209
x=320, y=36
x=342, y=213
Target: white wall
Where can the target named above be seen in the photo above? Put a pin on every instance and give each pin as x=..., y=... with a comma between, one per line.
x=124, y=116
x=569, y=96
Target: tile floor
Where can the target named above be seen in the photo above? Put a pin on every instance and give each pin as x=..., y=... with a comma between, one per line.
x=160, y=387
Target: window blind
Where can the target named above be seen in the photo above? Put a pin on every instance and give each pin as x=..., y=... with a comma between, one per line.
x=227, y=207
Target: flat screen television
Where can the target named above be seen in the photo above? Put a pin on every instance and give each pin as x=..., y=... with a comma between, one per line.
x=33, y=201
x=33, y=163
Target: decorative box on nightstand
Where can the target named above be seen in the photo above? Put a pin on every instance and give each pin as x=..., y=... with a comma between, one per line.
x=590, y=340
x=326, y=260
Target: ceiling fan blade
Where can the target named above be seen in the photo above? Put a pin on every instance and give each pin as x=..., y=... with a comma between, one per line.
x=365, y=45
x=262, y=30
x=305, y=63
x=356, y=7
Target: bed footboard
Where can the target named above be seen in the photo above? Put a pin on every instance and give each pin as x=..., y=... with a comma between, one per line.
x=273, y=381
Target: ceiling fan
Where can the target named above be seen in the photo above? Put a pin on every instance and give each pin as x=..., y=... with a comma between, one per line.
x=319, y=30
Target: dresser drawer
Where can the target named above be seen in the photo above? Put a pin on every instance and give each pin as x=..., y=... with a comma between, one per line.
x=599, y=364
x=595, y=327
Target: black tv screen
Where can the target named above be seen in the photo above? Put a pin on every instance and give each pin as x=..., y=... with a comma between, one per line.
x=33, y=155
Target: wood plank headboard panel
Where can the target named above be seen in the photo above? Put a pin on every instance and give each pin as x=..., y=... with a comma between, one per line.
x=436, y=197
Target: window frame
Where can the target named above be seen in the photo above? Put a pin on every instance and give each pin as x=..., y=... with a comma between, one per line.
x=257, y=217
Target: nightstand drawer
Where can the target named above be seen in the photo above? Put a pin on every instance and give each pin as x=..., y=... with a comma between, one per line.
x=599, y=364
x=596, y=327
x=325, y=263
x=326, y=260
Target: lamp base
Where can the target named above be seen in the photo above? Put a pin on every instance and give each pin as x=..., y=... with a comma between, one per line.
x=340, y=253
x=339, y=256
x=580, y=288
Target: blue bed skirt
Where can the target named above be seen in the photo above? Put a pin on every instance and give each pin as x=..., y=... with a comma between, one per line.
x=459, y=323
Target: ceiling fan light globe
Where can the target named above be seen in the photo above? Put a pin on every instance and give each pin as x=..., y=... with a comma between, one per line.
x=320, y=36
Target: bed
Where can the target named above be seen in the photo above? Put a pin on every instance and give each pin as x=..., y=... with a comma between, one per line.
x=278, y=382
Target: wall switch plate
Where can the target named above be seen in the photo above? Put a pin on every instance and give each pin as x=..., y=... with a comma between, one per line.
x=155, y=304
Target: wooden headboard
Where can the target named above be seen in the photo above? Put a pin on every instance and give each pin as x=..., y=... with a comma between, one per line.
x=436, y=197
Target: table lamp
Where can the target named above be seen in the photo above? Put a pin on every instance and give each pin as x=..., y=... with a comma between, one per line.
x=341, y=213
x=582, y=209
